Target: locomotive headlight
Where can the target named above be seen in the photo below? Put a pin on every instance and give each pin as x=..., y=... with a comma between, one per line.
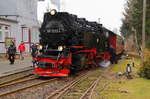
x=60, y=48
x=53, y=12
x=39, y=47
x=97, y=40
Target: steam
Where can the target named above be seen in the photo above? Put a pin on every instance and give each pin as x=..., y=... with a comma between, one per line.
x=56, y=3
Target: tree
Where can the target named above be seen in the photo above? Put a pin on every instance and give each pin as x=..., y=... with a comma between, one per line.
x=126, y=21
x=133, y=19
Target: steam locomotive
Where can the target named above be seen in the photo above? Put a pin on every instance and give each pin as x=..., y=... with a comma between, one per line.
x=69, y=44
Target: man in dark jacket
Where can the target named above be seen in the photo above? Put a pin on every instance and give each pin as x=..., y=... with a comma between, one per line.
x=34, y=50
x=11, y=53
x=113, y=54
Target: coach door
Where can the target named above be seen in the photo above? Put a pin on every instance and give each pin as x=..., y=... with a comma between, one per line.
x=112, y=40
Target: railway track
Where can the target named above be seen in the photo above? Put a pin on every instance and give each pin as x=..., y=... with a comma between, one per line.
x=19, y=80
x=6, y=89
x=88, y=93
x=69, y=88
x=17, y=86
x=16, y=76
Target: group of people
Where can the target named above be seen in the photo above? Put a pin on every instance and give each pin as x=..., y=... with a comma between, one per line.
x=12, y=51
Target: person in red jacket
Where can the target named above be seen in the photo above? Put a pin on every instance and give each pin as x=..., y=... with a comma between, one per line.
x=21, y=49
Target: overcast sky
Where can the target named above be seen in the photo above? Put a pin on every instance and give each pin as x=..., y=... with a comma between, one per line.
x=109, y=11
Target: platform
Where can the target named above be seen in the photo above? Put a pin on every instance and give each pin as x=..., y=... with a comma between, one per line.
x=5, y=67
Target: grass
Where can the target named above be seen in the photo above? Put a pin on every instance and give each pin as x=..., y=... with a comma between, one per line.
x=123, y=88
x=121, y=66
x=131, y=89
x=139, y=88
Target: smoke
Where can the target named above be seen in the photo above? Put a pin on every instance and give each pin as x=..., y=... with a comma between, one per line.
x=56, y=3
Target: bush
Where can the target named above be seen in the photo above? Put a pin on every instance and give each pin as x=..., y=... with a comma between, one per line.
x=145, y=69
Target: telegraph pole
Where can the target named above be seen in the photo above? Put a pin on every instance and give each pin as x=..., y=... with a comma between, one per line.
x=143, y=24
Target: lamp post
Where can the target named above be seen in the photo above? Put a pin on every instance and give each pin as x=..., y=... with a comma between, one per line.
x=143, y=23
x=128, y=71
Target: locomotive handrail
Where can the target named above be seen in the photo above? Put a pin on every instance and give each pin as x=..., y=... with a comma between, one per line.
x=86, y=51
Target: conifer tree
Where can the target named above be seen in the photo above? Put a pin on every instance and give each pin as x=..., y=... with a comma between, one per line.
x=133, y=19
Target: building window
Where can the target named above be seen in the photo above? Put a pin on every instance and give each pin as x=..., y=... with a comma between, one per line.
x=6, y=34
x=25, y=34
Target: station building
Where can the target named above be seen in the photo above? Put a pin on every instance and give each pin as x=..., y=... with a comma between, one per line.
x=18, y=22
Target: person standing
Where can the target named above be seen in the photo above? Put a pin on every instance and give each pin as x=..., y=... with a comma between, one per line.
x=113, y=54
x=34, y=50
x=11, y=53
x=21, y=49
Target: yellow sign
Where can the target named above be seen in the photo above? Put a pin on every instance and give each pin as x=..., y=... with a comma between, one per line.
x=8, y=41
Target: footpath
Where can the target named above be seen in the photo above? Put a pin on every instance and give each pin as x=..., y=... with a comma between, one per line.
x=5, y=67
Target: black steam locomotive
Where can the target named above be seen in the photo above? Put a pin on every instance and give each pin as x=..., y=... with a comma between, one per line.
x=69, y=44
x=64, y=29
